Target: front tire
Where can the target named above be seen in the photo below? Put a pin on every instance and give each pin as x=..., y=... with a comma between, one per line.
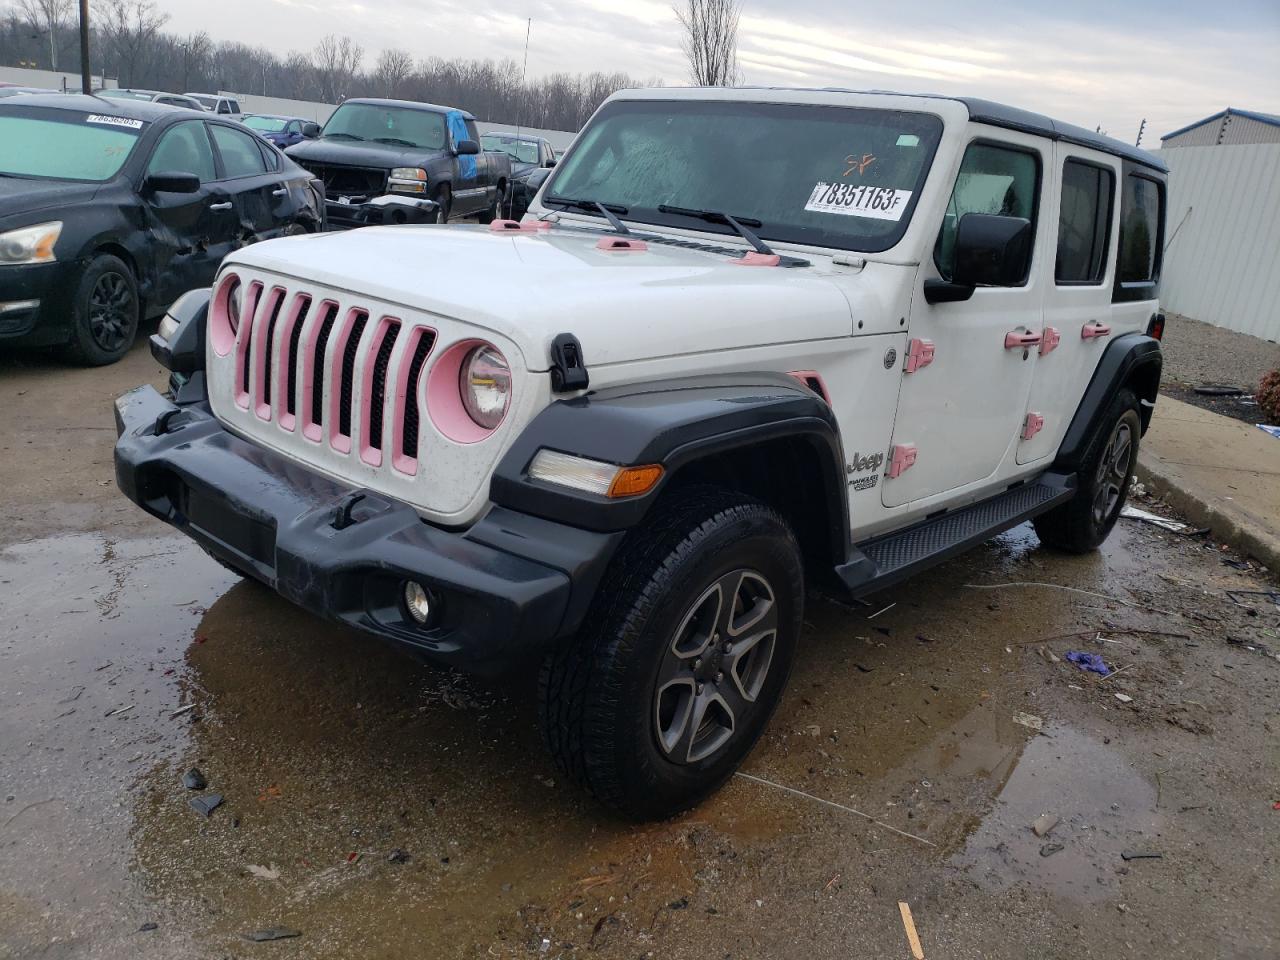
x=444, y=202
x=105, y=312
x=682, y=658
x=1083, y=522
x=495, y=211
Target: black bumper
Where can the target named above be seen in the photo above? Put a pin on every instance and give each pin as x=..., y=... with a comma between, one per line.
x=392, y=211
x=506, y=588
x=48, y=321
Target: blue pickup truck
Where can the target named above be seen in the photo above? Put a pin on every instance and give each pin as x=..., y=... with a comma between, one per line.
x=396, y=161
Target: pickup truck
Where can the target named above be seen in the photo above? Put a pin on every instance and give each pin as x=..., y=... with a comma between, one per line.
x=420, y=162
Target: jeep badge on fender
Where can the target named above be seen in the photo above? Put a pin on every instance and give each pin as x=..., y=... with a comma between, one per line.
x=607, y=445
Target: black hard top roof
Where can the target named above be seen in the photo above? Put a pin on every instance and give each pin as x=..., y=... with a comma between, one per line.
x=408, y=104
x=106, y=106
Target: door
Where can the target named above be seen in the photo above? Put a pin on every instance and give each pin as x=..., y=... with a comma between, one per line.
x=192, y=231
x=1078, y=301
x=468, y=188
x=959, y=415
x=246, y=177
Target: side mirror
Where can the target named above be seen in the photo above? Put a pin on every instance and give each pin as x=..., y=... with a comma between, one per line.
x=550, y=163
x=172, y=183
x=311, y=130
x=990, y=251
x=467, y=148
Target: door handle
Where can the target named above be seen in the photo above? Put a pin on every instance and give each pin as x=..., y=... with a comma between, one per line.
x=219, y=207
x=1094, y=328
x=282, y=192
x=1015, y=340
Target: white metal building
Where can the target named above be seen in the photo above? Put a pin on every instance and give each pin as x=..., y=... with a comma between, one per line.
x=1222, y=238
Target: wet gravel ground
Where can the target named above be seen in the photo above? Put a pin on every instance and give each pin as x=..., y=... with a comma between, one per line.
x=382, y=809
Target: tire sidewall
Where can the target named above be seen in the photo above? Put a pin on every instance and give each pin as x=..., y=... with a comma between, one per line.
x=625, y=709
x=1123, y=408
x=84, y=348
x=445, y=199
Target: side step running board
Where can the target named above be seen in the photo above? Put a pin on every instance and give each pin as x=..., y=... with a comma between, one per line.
x=897, y=556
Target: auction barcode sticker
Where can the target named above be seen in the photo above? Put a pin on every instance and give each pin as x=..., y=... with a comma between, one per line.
x=114, y=121
x=859, y=200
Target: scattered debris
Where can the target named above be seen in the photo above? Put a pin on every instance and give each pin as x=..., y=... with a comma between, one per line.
x=119, y=710
x=1058, y=586
x=271, y=933
x=1043, y=824
x=1029, y=720
x=193, y=779
x=832, y=803
x=399, y=856
x=909, y=924
x=148, y=927
x=1140, y=855
x=1124, y=698
x=1091, y=662
x=1269, y=428
x=181, y=710
x=264, y=873
x=1049, y=849
x=872, y=616
x=206, y=804
x=73, y=695
x=1133, y=513
x=1218, y=390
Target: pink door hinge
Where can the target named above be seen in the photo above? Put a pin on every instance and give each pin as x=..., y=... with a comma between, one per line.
x=902, y=456
x=919, y=354
x=1049, y=339
x=1032, y=425
x=1094, y=328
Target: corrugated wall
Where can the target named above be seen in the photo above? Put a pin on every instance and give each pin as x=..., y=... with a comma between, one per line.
x=1239, y=130
x=1222, y=265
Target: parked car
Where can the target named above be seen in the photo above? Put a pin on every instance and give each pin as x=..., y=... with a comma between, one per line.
x=396, y=151
x=282, y=131
x=531, y=159
x=15, y=91
x=112, y=209
x=758, y=337
x=155, y=96
x=224, y=105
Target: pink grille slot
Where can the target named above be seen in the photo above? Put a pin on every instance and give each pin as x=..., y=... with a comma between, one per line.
x=260, y=351
x=373, y=390
x=406, y=412
x=341, y=375
x=314, y=341
x=288, y=367
x=244, y=340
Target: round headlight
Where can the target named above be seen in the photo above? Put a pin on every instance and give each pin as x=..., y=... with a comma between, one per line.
x=485, y=384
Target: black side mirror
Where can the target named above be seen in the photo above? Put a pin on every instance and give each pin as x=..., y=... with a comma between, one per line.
x=990, y=251
x=311, y=130
x=550, y=163
x=172, y=183
x=467, y=148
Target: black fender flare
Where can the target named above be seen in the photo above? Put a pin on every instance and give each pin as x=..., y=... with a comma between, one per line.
x=1131, y=359
x=673, y=423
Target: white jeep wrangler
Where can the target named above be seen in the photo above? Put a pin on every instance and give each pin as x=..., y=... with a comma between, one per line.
x=745, y=339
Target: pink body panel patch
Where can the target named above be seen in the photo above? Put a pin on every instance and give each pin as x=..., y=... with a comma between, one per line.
x=919, y=354
x=1049, y=339
x=813, y=380
x=753, y=258
x=902, y=457
x=1032, y=425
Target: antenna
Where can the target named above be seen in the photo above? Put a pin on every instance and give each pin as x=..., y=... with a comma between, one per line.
x=1141, y=128
x=524, y=72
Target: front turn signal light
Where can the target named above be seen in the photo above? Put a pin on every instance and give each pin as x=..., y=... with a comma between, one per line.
x=633, y=481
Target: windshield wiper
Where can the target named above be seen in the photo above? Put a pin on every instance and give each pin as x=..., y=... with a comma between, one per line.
x=395, y=140
x=739, y=224
x=349, y=136
x=606, y=210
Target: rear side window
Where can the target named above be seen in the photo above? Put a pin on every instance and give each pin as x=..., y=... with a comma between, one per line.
x=184, y=148
x=1084, y=225
x=1140, y=222
x=994, y=180
x=271, y=158
x=240, y=154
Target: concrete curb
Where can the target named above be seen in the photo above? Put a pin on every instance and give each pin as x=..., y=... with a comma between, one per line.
x=1206, y=508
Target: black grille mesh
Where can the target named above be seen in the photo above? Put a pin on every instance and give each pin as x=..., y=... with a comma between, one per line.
x=377, y=396
x=349, y=374
x=277, y=301
x=291, y=371
x=317, y=363
x=409, y=441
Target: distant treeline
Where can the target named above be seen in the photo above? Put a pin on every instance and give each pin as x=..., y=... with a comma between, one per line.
x=129, y=43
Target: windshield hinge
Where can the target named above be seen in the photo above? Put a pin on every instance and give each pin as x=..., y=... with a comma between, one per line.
x=568, y=369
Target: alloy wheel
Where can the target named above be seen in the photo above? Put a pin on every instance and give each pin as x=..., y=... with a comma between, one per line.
x=1113, y=471
x=111, y=311
x=715, y=666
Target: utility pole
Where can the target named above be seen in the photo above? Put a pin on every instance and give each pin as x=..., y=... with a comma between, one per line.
x=86, y=81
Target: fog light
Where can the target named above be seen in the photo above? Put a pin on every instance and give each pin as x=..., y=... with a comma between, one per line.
x=419, y=602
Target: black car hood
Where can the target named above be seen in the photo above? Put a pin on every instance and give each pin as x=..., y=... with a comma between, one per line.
x=356, y=154
x=19, y=195
x=521, y=170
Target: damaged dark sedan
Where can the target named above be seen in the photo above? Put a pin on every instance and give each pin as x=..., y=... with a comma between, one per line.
x=110, y=210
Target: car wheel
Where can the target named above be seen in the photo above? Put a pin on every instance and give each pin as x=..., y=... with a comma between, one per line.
x=683, y=658
x=495, y=210
x=1084, y=521
x=444, y=204
x=105, y=312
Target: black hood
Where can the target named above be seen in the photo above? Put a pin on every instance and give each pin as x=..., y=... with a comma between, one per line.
x=357, y=154
x=521, y=170
x=20, y=195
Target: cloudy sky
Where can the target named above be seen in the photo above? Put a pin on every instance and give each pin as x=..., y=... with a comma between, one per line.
x=1091, y=62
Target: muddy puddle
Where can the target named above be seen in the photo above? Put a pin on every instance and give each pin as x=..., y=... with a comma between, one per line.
x=385, y=809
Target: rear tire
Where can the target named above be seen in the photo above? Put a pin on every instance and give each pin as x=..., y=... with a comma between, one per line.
x=495, y=211
x=1083, y=522
x=104, y=313
x=681, y=660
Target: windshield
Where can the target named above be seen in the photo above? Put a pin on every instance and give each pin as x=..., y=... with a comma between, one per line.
x=827, y=176
x=204, y=100
x=66, y=146
x=125, y=94
x=266, y=124
x=522, y=151
x=396, y=126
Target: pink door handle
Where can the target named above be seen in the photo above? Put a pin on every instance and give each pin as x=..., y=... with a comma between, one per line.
x=1015, y=339
x=1094, y=329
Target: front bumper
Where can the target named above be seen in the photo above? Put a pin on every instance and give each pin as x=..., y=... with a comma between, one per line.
x=386, y=209
x=36, y=303
x=507, y=587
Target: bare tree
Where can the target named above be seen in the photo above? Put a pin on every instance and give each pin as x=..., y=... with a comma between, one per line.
x=393, y=68
x=130, y=29
x=47, y=16
x=337, y=59
x=711, y=40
